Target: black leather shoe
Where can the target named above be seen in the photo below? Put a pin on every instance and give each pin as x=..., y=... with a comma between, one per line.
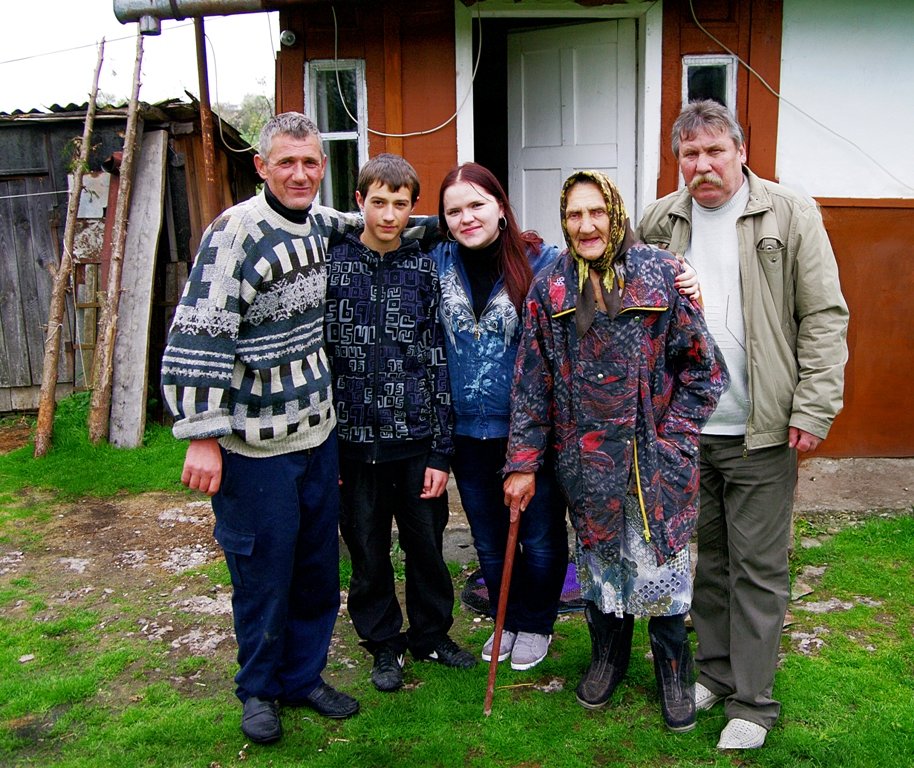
x=330, y=702
x=260, y=721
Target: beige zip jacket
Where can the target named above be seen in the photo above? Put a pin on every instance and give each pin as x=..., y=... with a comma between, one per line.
x=794, y=312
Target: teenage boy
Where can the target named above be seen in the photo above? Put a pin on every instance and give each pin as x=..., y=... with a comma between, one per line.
x=394, y=419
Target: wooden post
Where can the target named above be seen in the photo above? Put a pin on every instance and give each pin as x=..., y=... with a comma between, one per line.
x=212, y=199
x=100, y=404
x=47, y=400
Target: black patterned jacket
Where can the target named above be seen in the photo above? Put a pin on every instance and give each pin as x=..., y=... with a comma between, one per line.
x=386, y=350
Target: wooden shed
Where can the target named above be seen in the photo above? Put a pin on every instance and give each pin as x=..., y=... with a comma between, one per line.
x=166, y=224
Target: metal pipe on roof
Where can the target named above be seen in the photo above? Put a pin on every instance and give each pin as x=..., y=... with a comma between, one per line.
x=149, y=13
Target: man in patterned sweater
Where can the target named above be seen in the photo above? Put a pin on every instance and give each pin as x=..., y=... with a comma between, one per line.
x=247, y=380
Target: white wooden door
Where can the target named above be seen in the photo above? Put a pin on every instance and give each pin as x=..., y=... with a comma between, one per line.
x=572, y=105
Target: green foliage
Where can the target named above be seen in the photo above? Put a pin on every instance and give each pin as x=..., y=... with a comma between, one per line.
x=248, y=117
x=75, y=467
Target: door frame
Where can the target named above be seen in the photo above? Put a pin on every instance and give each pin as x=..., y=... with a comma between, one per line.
x=648, y=82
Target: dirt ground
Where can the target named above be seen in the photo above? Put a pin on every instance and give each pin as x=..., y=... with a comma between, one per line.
x=15, y=431
x=102, y=556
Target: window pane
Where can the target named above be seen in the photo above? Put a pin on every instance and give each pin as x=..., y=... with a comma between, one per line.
x=338, y=186
x=331, y=115
x=708, y=82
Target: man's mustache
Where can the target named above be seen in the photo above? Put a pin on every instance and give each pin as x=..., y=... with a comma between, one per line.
x=706, y=178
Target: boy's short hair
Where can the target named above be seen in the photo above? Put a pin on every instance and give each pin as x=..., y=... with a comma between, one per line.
x=393, y=171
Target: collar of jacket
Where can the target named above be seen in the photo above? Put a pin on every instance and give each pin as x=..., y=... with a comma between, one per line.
x=759, y=199
x=408, y=246
x=634, y=295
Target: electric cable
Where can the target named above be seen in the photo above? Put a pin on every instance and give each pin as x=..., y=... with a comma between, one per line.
x=451, y=119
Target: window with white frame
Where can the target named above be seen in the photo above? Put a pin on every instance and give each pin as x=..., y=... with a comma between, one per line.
x=337, y=103
x=709, y=77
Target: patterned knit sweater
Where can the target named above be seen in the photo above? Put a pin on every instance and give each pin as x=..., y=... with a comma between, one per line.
x=245, y=358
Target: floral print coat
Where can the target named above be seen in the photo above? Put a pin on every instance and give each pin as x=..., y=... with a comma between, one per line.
x=623, y=405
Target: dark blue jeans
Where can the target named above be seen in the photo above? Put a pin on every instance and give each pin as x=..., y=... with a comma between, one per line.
x=276, y=520
x=541, y=559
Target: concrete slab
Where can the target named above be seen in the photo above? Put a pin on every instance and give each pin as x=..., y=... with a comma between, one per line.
x=855, y=485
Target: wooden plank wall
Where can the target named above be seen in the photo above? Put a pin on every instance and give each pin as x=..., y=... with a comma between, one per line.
x=408, y=49
x=28, y=259
x=131, y=349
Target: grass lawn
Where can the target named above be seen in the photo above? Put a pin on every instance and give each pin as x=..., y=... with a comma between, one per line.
x=107, y=660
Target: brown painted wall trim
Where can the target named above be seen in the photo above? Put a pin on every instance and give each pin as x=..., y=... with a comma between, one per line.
x=871, y=240
x=865, y=202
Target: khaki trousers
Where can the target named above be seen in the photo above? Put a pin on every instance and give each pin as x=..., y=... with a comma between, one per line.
x=742, y=581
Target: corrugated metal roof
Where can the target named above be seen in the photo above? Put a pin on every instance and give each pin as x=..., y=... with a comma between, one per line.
x=169, y=110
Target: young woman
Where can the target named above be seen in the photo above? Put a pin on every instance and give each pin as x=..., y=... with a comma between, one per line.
x=485, y=267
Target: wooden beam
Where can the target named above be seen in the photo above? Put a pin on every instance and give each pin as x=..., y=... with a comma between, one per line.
x=393, y=81
x=131, y=347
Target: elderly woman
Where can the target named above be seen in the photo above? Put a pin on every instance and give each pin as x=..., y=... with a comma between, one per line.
x=616, y=374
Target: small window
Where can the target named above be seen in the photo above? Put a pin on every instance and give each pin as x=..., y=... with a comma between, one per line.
x=338, y=105
x=709, y=77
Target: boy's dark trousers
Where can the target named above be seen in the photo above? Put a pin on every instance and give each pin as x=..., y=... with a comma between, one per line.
x=373, y=495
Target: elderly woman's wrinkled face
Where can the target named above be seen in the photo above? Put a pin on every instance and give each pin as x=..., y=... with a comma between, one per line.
x=472, y=215
x=587, y=220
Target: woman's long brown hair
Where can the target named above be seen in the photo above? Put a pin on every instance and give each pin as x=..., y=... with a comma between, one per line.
x=511, y=257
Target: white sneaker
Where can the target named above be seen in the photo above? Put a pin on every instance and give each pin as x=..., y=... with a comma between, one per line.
x=529, y=650
x=504, y=650
x=742, y=734
x=705, y=698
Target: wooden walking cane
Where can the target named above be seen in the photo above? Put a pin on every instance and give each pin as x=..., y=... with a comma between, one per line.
x=502, y=606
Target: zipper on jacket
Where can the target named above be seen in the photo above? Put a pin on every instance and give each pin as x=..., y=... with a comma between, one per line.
x=468, y=295
x=647, y=531
x=477, y=328
x=379, y=309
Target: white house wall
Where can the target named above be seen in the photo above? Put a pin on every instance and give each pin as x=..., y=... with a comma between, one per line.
x=850, y=66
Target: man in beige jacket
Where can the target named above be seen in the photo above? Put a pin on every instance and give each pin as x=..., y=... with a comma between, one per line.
x=774, y=306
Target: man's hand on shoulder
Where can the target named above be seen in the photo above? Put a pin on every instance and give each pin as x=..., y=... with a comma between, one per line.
x=203, y=466
x=687, y=280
